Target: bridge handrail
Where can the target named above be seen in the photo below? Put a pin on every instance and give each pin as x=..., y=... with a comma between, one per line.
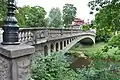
x=43, y=28
x=32, y=34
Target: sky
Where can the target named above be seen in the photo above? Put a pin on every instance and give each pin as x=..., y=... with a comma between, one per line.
x=81, y=5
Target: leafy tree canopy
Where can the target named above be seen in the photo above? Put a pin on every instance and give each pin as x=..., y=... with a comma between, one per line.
x=69, y=13
x=107, y=20
x=108, y=16
x=3, y=10
x=31, y=16
x=55, y=17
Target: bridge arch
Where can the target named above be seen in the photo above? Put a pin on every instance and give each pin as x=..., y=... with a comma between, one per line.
x=78, y=39
x=86, y=38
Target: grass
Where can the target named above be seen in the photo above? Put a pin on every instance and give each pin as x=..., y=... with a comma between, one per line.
x=95, y=50
x=98, y=63
x=89, y=48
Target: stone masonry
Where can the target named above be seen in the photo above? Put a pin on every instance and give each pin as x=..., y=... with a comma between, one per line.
x=15, y=61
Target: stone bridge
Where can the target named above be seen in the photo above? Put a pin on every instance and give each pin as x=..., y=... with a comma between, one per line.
x=48, y=40
x=15, y=60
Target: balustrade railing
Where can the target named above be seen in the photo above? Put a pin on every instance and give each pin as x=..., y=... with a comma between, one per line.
x=33, y=34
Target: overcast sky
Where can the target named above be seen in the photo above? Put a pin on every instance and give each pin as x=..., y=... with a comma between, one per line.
x=81, y=5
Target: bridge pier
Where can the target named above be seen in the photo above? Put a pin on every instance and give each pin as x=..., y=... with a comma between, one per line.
x=59, y=46
x=49, y=49
x=69, y=40
x=52, y=48
x=56, y=46
x=15, y=61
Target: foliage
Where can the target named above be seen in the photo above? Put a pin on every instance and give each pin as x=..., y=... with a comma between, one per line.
x=107, y=19
x=115, y=41
x=69, y=14
x=52, y=67
x=112, y=50
x=88, y=48
x=102, y=35
x=94, y=73
x=31, y=16
x=3, y=11
x=107, y=53
x=27, y=16
x=85, y=27
x=55, y=67
x=55, y=17
x=102, y=51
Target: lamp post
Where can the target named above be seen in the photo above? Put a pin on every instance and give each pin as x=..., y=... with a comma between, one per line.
x=10, y=34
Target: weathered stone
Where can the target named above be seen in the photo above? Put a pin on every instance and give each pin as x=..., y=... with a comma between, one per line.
x=15, y=62
x=13, y=51
x=4, y=69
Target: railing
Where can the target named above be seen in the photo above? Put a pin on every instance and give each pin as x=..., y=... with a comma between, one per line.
x=33, y=34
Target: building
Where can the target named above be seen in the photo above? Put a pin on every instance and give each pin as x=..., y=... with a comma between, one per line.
x=78, y=23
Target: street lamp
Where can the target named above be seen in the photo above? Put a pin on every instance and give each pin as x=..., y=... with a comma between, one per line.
x=10, y=34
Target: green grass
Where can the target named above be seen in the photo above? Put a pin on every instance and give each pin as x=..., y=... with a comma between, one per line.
x=95, y=51
x=99, y=63
x=89, y=48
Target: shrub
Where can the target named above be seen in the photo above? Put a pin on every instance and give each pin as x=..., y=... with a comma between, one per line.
x=53, y=67
x=115, y=41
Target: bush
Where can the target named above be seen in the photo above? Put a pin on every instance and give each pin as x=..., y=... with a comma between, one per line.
x=102, y=38
x=93, y=73
x=115, y=41
x=53, y=67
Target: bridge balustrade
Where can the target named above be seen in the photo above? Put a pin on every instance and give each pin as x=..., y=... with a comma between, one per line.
x=35, y=34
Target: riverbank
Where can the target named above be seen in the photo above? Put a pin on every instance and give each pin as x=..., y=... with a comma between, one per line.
x=100, y=60
x=89, y=48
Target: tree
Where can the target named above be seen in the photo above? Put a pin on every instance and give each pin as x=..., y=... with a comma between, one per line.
x=31, y=16
x=3, y=10
x=55, y=17
x=69, y=14
x=107, y=18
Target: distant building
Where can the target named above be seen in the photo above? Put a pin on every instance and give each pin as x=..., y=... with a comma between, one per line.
x=78, y=23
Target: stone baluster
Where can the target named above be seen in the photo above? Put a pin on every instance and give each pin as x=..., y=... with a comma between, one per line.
x=25, y=36
x=28, y=36
x=20, y=36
